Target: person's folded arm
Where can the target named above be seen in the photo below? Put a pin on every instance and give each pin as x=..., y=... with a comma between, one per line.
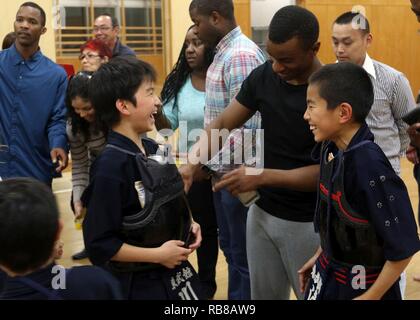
x=234, y=116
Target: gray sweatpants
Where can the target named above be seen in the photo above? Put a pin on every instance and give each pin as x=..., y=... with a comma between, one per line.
x=276, y=250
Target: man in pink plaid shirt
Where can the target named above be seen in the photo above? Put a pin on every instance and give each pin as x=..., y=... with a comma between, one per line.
x=235, y=57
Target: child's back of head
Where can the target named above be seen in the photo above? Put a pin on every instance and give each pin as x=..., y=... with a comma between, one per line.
x=29, y=227
x=29, y=224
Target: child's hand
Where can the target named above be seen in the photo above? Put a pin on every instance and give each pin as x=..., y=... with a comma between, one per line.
x=305, y=274
x=196, y=230
x=58, y=249
x=305, y=271
x=173, y=253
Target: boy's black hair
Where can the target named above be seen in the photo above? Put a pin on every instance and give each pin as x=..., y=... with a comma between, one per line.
x=294, y=21
x=345, y=82
x=36, y=6
x=205, y=7
x=179, y=74
x=28, y=224
x=78, y=87
x=360, y=20
x=120, y=78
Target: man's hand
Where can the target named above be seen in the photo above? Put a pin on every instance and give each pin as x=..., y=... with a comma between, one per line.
x=58, y=154
x=240, y=180
x=412, y=155
x=414, y=134
x=196, y=231
x=187, y=174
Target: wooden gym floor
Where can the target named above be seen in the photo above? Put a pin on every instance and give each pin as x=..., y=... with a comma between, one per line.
x=73, y=241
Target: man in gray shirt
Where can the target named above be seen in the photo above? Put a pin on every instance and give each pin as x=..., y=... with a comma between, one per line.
x=351, y=38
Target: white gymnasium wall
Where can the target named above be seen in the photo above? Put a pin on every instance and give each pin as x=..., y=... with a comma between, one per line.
x=263, y=10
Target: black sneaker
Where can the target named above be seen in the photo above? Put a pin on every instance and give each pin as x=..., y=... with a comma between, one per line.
x=80, y=255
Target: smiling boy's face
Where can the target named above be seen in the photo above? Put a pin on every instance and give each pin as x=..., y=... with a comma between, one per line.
x=324, y=123
x=142, y=115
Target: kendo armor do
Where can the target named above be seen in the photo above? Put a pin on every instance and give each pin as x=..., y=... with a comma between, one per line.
x=347, y=236
x=165, y=214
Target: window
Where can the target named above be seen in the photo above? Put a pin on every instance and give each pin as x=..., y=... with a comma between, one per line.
x=140, y=24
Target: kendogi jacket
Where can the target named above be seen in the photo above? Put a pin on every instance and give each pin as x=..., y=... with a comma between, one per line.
x=133, y=198
x=363, y=213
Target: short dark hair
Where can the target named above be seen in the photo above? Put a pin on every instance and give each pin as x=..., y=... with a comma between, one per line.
x=349, y=17
x=28, y=224
x=345, y=82
x=120, y=78
x=294, y=21
x=8, y=40
x=114, y=20
x=205, y=7
x=36, y=6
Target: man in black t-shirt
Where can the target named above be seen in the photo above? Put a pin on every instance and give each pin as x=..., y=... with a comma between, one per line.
x=280, y=234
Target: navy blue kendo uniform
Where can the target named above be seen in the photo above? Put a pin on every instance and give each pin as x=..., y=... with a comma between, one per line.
x=81, y=283
x=3, y=276
x=364, y=218
x=116, y=216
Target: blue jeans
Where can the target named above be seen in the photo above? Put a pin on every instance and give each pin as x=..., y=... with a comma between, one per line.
x=231, y=220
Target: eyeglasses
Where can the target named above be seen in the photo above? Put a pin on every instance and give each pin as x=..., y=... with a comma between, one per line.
x=101, y=28
x=88, y=56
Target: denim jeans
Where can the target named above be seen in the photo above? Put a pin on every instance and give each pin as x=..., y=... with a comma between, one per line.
x=231, y=220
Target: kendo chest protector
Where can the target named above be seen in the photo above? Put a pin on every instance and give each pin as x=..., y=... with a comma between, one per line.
x=165, y=214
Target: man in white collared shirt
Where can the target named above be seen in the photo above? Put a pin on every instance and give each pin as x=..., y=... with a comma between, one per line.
x=351, y=38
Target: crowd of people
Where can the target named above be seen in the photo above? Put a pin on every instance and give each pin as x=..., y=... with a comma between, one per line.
x=329, y=197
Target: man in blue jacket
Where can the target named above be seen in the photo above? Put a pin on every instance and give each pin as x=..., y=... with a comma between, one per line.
x=32, y=108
